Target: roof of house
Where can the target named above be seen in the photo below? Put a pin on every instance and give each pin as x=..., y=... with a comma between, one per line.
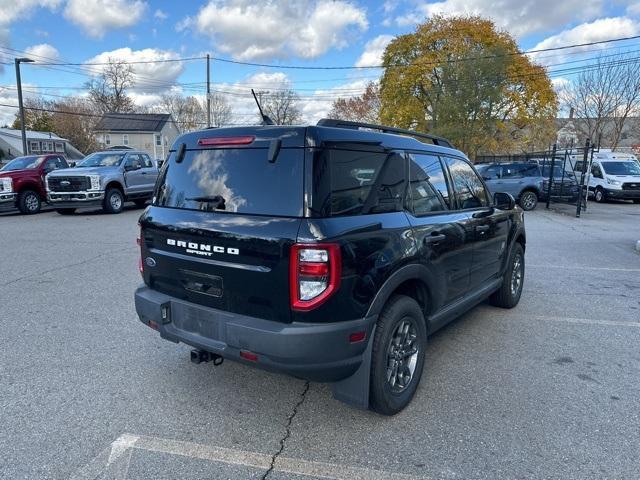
x=31, y=135
x=13, y=139
x=132, y=122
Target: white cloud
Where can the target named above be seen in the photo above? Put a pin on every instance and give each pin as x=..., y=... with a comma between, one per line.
x=147, y=76
x=634, y=9
x=44, y=52
x=598, y=30
x=160, y=15
x=15, y=9
x=373, y=51
x=97, y=17
x=519, y=17
x=9, y=96
x=258, y=30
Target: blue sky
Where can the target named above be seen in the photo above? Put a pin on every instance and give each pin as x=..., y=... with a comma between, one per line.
x=294, y=32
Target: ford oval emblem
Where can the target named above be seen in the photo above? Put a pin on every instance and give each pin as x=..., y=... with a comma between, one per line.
x=150, y=262
x=65, y=183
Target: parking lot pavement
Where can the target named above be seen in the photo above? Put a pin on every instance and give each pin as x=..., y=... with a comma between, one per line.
x=547, y=390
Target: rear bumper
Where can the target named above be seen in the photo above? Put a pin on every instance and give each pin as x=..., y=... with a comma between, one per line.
x=75, y=199
x=7, y=201
x=622, y=194
x=317, y=352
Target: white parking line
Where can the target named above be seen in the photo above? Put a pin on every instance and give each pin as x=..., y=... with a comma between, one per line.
x=559, y=319
x=110, y=460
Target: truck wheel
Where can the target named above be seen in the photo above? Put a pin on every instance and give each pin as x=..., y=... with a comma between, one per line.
x=113, y=201
x=397, y=357
x=528, y=200
x=29, y=202
x=140, y=203
x=65, y=211
x=509, y=293
x=598, y=195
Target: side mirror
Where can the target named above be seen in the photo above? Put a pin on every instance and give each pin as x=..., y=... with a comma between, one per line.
x=504, y=201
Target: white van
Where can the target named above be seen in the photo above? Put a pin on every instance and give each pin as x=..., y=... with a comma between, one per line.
x=614, y=175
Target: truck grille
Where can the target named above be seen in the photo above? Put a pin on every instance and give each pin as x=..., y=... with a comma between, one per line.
x=69, y=184
x=631, y=186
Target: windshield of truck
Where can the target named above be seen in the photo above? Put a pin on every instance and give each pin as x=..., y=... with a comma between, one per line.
x=240, y=180
x=22, y=163
x=102, y=160
x=621, y=168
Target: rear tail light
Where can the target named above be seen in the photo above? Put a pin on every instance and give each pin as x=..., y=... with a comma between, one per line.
x=314, y=274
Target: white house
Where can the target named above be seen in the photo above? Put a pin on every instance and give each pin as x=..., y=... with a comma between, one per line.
x=37, y=143
x=153, y=133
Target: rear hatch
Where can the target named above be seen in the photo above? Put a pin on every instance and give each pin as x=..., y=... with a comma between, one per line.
x=221, y=225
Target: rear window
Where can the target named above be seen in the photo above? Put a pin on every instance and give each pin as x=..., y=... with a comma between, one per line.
x=235, y=181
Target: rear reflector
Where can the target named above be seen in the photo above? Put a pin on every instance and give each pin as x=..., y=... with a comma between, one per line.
x=357, y=337
x=153, y=325
x=252, y=357
x=221, y=141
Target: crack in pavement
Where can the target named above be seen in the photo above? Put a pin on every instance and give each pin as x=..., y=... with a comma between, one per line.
x=287, y=433
x=63, y=267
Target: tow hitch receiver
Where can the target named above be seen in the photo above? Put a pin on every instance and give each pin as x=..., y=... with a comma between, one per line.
x=202, y=356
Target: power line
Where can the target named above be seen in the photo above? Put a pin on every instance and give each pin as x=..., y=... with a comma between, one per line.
x=400, y=65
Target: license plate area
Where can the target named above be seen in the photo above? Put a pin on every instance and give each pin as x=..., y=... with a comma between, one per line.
x=195, y=320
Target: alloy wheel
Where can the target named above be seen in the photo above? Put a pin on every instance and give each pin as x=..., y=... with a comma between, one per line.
x=402, y=355
x=516, y=275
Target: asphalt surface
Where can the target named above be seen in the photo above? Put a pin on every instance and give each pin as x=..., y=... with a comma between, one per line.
x=547, y=390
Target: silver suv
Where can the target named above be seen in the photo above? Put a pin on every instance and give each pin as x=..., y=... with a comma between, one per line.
x=103, y=179
x=524, y=181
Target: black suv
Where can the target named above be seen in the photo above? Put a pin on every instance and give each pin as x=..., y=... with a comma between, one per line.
x=328, y=252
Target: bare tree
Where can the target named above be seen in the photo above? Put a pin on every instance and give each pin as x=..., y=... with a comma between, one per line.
x=603, y=97
x=74, y=119
x=186, y=111
x=281, y=106
x=108, y=92
x=364, y=108
x=221, y=112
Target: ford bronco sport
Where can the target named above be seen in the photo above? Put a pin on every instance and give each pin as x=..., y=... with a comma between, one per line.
x=328, y=252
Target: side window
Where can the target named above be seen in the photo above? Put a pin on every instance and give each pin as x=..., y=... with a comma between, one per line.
x=134, y=161
x=428, y=191
x=52, y=164
x=530, y=170
x=512, y=171
x=147, y=161
x=596, y=171
x=359, y=182
x=469, y=189
x=492, y=173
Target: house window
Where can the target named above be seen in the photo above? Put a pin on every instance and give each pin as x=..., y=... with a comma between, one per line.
x=158, y=140
x=107, y=139
x=34, y=146
x=59, y=147
x=47, y=146
x=125, y=139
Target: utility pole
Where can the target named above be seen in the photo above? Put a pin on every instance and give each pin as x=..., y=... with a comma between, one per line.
x=18, y=61
x=208, y=94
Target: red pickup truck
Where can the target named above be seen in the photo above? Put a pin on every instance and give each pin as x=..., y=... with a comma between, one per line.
x=22, y=181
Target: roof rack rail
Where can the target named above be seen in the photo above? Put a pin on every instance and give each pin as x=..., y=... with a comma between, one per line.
x=330, y=122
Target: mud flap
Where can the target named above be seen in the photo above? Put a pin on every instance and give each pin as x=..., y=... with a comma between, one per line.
x=354, y=390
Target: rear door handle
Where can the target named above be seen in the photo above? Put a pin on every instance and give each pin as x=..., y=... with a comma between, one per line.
x=434, y=238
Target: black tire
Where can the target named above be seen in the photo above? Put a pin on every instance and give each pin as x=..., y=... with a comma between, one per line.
x=65, y=211
x=528, y=200
x=141, y=203
x=636, y=200
x=390, y=391
x=599, y=195
x=113, y=201
x=509, y=293
x=29, y=202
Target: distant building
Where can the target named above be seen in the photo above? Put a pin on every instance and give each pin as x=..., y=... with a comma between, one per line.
x=575, y=130
x=37, y=143
x=153, y=133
